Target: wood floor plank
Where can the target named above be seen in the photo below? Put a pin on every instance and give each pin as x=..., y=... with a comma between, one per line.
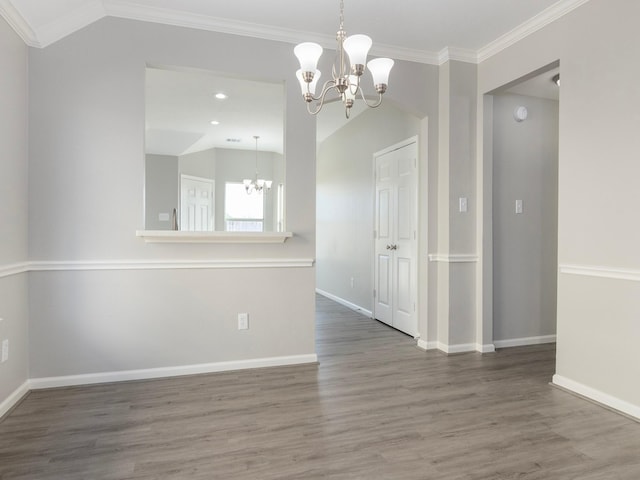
x=376, y=407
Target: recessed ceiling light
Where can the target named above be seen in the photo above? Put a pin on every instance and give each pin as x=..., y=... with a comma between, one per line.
x=220, y=96
x=215, y=122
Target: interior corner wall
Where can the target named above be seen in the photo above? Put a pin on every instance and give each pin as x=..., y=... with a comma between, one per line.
x=345, y=219
x=525, y=167
x=598, y=255
x=86, y=179
x=14, y=310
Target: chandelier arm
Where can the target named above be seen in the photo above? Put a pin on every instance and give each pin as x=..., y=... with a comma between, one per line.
x=328, y=85
x=371, y=105
x=325, y=88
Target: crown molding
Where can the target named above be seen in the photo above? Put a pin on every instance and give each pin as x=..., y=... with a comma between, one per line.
x=16, y=21
x=96, y=9
x=458, y=55
x=529, y=27
x=145, y=13
x=71, y=22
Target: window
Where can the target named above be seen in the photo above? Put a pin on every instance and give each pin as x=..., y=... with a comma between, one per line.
x=242, y=212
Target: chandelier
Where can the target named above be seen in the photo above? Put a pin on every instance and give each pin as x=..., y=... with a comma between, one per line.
x=256, y=184
x=345, y=79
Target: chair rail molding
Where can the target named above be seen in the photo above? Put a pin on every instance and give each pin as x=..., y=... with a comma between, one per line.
x=453, y=257
x=601, y=271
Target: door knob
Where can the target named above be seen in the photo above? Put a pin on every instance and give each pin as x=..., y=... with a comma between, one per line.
x=388, y=247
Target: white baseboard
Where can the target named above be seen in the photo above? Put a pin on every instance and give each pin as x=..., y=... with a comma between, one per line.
x=459, y=348
x=427, y=345
x=487, y=348
x=345, y=303
x=598, y=396
x=13, y=399
x=521, y=342
x=149, y=373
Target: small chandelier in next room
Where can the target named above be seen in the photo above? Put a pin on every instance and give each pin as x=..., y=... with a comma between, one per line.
x=345, y=81
x=256, y=184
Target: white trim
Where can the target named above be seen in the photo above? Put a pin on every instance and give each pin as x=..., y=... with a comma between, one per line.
x=544, y=18
x=453, y=258
x=172, y=264
x=74, y=20
x=602, y=272
x=488, y=348
x=422, y=344
x=457, y=54
x=14, y=398
x=164, y=372
x=597, y=396
x=15, y=19
x=345, y=303
x=95, y=10
x=460, y=348
x=521, y=342
x=172, y=236
x=13, y=269
x=92, y=265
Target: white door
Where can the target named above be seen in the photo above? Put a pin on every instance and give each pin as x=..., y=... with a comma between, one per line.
x=395, y=264
x=196, y=204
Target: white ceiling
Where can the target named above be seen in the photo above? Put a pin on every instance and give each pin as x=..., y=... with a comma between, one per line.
x=427, y=31
x=181, y=104
x=418, y=30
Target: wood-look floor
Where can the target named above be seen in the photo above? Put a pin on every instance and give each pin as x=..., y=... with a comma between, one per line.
x=375, y=408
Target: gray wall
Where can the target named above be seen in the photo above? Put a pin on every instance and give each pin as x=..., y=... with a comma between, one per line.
x=86, y=193
x=161, y=190
x=13, y=210
x=598, y=235
x=86, y=181
x=525, y=167
x=345, y=200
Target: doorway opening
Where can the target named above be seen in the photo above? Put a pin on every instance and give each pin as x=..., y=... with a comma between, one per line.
x=521, y=214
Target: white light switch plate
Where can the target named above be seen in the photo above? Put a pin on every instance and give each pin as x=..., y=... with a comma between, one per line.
x=243, y=321
x=518, y=206
x=462, y=204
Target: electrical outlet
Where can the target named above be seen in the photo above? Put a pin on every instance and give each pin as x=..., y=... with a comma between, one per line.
x=5, y=350
x=243, y=321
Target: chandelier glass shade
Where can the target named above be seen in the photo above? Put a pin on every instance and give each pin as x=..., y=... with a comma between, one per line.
x=258, y=185
x=348, y=68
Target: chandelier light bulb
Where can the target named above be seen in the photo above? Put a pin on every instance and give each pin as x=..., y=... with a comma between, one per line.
x=308, y=54
x=308, y=88
x=380, y=69
x=357, y=47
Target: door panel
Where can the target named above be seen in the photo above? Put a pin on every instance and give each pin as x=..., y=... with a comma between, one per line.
x=383, y=287
x=196, y=204
x=396, y=240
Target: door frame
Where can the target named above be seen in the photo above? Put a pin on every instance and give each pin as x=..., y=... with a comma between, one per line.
x=416, y=194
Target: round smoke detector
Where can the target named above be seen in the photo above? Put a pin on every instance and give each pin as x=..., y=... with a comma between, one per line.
x=520, y=114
